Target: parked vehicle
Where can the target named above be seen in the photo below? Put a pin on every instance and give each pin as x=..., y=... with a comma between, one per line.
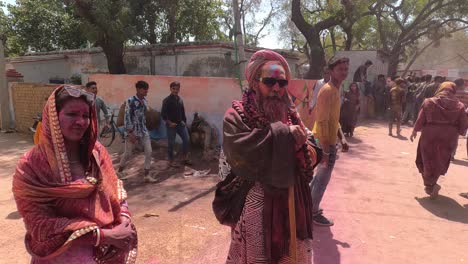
x=107, y=135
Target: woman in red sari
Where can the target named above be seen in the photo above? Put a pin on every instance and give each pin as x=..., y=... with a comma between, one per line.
x=73, y=205
x=441, y=119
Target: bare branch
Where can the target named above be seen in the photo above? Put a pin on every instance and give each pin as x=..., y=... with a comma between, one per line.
x=265, y=22
x=411, y=38
x=422, y=50
x=304, y=27
x=318, y=10
x=328, y=23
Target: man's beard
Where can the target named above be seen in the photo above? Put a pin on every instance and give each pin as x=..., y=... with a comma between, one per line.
x=274, y=107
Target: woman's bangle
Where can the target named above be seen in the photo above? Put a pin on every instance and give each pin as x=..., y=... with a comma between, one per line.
x=126, y=215
x=98, y=237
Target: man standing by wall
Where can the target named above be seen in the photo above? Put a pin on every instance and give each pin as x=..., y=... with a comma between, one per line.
x=360, y=77
x=135, y=129
x=173, y=113
x=379, y=88
x=100, y=105
x=325, y=130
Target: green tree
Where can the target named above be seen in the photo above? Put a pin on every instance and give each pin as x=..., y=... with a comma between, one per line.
x=177, y=21
x=109, y=24
x=42, y=26
x=312, y=19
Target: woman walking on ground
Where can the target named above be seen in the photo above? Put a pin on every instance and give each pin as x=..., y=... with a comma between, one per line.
x=441, y=119
x=72, y=203
x=350, y=110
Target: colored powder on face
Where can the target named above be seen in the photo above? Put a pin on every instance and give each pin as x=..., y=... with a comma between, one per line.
x=275, y=71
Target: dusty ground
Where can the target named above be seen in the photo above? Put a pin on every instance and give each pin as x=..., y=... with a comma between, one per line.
x=375, y=196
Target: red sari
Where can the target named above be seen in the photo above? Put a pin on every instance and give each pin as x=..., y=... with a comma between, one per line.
x=60, y=212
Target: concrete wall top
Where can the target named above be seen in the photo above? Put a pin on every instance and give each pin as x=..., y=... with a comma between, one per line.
x=209, y=96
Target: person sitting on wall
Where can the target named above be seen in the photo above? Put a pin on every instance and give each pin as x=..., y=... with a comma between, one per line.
x=203, y=134
x=173, y=113
x=360, y=77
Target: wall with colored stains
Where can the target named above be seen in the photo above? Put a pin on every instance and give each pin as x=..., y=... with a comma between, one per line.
x=209, y=96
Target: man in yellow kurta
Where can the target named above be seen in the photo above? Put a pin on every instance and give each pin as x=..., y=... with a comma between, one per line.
x=325, y=130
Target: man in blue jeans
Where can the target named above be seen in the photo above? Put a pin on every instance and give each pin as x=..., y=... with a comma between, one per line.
x=173, y=113
x=326, y=129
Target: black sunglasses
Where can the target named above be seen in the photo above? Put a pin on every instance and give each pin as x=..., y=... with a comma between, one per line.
x=270, y=82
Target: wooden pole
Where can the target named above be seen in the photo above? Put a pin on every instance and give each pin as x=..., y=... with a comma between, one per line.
x=4, y=93
x=292, y=225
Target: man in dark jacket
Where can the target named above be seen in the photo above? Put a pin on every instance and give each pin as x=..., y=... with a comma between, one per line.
x=173, y=113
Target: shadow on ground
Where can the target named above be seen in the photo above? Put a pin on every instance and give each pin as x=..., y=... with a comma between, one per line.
x=461, y=162
x=325, y=247
x=445, y=207
x=13, y=216
x=176, y=187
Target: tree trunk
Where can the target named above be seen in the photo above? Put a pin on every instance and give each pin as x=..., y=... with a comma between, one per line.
x=312, y=35
x=172, y=22
x=115, y=53
x=239, y=39
x=333, y=39
x=349, y=38
x=316, y=58
x=393, y=64
x=152, y=38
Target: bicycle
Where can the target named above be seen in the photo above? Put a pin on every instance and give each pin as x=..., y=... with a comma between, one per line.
x=107, y=135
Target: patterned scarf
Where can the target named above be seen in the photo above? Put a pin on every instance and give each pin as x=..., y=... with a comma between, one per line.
x=254, y=118
x=44, y=190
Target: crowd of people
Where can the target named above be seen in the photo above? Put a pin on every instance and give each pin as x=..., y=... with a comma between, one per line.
x=73, y=202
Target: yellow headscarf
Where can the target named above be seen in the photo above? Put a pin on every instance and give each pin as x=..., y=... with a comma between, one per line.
x=446, y=89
